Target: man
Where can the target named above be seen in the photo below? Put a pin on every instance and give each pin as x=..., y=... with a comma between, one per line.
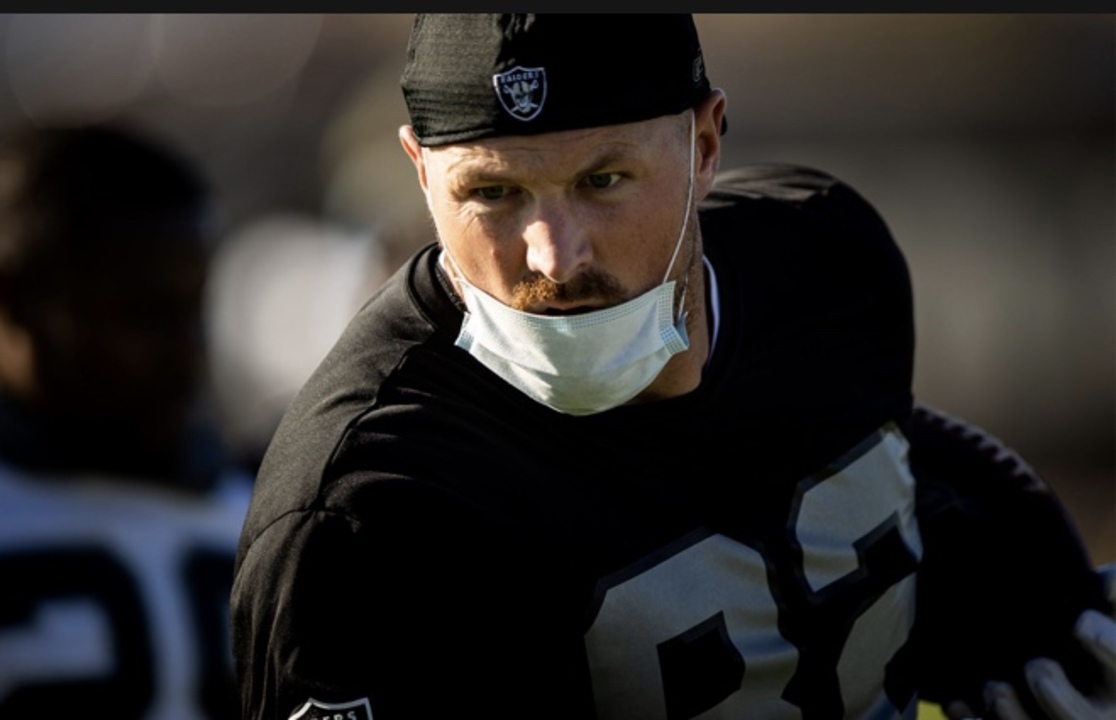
x=599, y=453
x=118, y=513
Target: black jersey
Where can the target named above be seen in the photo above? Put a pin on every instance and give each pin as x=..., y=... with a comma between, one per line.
x=426, y=541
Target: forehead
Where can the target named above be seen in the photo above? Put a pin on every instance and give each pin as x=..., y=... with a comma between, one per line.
x=558, y=153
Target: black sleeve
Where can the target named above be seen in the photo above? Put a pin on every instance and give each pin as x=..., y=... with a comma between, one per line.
x=418, y=607
x=1004, y=574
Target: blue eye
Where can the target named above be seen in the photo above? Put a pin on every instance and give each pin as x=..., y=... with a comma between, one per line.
x=600, y=181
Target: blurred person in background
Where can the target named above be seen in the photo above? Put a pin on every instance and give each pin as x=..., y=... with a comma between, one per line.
x=280, y=291
x=634, y=437
x=119, y=511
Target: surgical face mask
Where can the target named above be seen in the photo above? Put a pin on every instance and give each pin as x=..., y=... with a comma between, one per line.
x=579, y=364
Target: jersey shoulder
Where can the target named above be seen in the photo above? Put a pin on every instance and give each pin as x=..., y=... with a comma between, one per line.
x=381, y=376
x=775, y=181
x=779, y=193
x=815, y=298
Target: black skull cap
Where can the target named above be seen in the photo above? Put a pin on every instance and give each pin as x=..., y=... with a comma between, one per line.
x=472, y=76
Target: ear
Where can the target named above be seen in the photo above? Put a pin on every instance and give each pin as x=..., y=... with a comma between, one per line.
x=414, y=151
x=708, y=116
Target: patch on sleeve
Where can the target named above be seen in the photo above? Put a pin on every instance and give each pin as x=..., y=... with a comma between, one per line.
x=318, y=710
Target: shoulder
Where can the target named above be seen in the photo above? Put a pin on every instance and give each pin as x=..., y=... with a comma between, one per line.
x=391, y=394
x=774, y=195
x=351, y=381
x=774, y=181
x=793, y=239
x=801, y=257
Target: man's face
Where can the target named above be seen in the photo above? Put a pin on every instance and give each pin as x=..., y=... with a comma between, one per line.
x=563, y=222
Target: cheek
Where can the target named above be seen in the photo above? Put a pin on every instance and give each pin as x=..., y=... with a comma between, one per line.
x=488, y=250
x=635, y=241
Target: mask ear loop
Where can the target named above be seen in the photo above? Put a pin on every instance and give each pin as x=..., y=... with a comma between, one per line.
x=450, y=265
x=445, y=257
x=685, y=222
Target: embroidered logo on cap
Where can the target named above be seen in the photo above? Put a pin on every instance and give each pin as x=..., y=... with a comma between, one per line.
x=318, y=710
x=522, y=91
x=699, y=68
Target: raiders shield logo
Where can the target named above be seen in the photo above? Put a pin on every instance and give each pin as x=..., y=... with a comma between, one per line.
x=318, y=710
x=522, y=91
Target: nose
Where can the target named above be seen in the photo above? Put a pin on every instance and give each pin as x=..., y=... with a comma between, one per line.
x=557, y=244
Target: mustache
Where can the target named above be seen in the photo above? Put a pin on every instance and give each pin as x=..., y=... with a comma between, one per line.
x=591, y=286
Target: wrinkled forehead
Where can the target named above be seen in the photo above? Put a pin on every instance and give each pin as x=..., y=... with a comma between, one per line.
x=564, y=152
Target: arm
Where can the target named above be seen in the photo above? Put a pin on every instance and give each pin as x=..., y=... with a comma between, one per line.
x=418, y=608
x=1005, y=576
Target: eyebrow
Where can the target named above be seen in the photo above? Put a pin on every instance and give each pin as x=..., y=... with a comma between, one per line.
x=468, y=171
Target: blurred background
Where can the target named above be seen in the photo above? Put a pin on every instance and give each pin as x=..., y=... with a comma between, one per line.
x=985, y=141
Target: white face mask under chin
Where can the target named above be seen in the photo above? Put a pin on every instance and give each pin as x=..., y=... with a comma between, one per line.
x=578, y=364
